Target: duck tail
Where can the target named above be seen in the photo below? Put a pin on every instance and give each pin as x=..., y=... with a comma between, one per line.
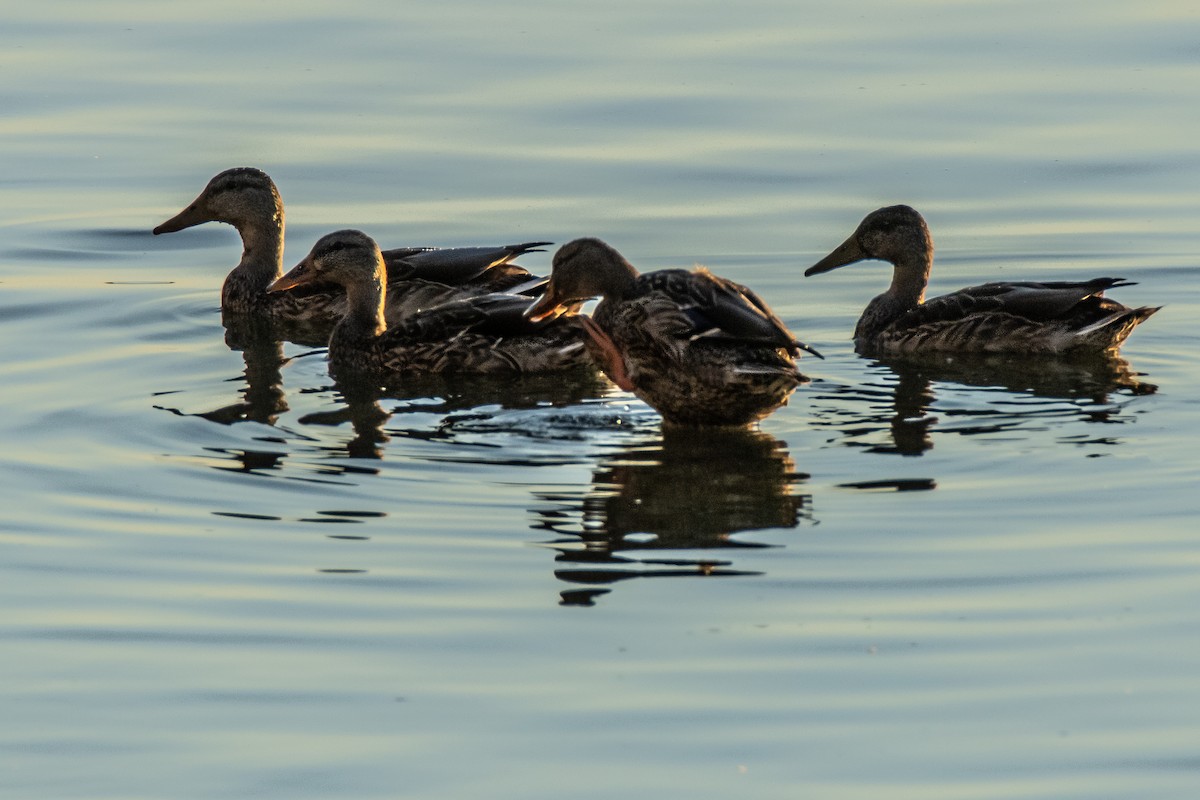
x=1109, y=333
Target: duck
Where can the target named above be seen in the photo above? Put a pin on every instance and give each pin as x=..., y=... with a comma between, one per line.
x=479, y=334
x=700, y=349
x=420, y=277
x=1048, y=318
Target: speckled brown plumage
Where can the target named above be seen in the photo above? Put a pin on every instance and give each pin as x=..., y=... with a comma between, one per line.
x=698, y=348
x=1021, y=317
x=486, y=334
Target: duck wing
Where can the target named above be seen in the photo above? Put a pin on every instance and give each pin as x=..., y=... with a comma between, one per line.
x=720, y=308
x=497, y=315
x=453, y=266
x=1025, y=317
x=1037, y=302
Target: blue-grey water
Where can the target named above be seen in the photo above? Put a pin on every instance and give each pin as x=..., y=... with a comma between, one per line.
x=221, y=579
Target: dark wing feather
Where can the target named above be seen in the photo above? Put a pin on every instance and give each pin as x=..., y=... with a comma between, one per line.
x=497, y=315
x=454, y=265
x=716, y=306
x=438, y=323
x=1038, y=302
x=503, y=315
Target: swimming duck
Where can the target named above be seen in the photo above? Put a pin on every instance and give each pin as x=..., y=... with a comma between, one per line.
x=698, y=348
x=1025, y=317
x=420, y=277
x=486, y=334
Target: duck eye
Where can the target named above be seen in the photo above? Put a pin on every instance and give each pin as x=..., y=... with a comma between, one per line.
x=334, y=247
x=236, y=184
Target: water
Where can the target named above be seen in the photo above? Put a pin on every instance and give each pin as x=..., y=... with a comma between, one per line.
x=221, y=579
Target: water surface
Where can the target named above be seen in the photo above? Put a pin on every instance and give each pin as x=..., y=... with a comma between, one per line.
x=223, y=578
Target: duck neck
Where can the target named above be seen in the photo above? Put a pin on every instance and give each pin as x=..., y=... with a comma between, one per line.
x=910, y=276
x=621, y=283
x=262, y=253
x=364, y=308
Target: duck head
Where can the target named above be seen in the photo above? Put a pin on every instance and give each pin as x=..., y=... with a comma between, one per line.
x=897, y=234
x=242, y=197
x=348, y=258
x=583, y=269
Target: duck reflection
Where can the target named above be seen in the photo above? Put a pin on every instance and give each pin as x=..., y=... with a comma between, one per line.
x=366, y=417
x=262, y=397
x=452, y=401
x=435, y=405
x=687, y=491
x=901, y=399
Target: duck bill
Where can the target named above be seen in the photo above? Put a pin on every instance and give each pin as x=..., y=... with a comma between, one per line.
x=298, y=276
x=847, y=252
x=809, y=349
x=192, y=215
x=547, y=306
